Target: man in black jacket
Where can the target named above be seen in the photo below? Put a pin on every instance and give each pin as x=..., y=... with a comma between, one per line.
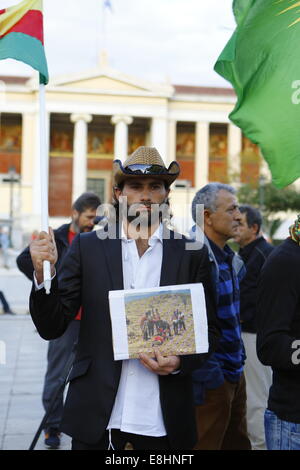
x=254, y=250
x=278, y=341
x=59, y=350
x=148, y=401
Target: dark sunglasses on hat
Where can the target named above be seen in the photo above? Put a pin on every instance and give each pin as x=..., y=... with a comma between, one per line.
x=142, y=169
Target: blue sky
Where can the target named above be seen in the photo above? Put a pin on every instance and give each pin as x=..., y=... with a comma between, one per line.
x=158, y=40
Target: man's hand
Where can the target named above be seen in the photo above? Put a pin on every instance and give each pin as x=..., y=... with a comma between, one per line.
x=160, y=365
x=41, y=249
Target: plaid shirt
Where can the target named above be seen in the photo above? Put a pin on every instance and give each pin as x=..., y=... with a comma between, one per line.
x=230, y=352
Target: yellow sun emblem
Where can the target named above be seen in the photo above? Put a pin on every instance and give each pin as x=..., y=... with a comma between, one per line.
x=295, y=4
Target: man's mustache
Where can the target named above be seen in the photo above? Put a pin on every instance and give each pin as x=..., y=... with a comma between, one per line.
x=142, y=204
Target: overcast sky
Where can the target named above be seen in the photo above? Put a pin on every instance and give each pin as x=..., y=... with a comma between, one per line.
x=151, y=39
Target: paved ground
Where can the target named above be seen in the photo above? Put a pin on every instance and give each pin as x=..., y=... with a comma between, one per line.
x=21, y=377
x=21, y=381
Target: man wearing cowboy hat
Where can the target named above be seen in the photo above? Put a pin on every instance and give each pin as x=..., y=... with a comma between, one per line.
x=147, y=402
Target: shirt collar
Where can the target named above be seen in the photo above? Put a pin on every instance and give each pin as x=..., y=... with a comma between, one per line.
x=248, y=248
x=157, y=236
x=221, y=255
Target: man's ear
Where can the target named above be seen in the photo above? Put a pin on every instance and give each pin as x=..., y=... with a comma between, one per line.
x=206, y=217
x=75, y=214
x=255, y=229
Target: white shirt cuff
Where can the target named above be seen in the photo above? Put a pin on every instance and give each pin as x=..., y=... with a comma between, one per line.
x=40, y=286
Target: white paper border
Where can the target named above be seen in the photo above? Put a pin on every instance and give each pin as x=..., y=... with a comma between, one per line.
x=118, y=316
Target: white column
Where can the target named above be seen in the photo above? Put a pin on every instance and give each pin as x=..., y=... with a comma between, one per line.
x=171, y=156
x=121, y=136
x=234, y=153
x=202, y=154
x=29, y=129
x=159, y=136
x=80, y=153
x=36, y=190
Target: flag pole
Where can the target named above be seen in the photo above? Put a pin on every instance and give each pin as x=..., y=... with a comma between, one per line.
x=104, y=18
x=44, y=178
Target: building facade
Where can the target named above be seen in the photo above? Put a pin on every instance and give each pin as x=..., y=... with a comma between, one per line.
x=95, y=117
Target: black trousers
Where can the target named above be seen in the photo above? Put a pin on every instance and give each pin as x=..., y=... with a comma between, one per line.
x=119, y=440
x=59, y=351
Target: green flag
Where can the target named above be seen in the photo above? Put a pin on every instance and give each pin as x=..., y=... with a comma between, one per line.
x=262, y=62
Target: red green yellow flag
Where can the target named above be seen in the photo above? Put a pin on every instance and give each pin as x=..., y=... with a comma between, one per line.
x=262, y=62
x=22, y=35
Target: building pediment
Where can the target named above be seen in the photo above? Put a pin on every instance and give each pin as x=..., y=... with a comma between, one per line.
x=105, y=80
x=101, y=82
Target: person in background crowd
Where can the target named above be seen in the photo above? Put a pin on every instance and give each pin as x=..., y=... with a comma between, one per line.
x=278, y=341
x=4, y=245
x=254, y=250
x=59, y=350
x=5, y=304
x=219, y=386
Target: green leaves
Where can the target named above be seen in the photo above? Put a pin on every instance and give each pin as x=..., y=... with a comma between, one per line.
x=273, y=199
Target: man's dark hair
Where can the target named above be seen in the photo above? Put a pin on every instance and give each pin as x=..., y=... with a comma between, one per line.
x=253, y=216
x=86, y=201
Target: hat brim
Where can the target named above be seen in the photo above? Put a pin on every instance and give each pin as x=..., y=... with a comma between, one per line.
x=172, y=172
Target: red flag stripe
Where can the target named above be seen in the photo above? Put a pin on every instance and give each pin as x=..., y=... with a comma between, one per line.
x=31, y=24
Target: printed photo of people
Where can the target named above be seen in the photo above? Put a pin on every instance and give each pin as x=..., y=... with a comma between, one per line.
x=163, y=320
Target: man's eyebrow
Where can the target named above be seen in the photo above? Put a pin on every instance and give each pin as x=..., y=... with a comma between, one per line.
x=233, y=206
x=131, y=182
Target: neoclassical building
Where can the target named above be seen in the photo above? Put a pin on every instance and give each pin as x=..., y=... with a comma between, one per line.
x=103, y=114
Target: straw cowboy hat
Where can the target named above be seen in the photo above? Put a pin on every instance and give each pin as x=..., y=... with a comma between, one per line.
x=145, y=161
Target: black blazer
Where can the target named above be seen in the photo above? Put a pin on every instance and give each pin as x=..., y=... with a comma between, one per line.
x=91, y=268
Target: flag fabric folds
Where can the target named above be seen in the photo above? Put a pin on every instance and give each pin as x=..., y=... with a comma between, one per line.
x=262, y=62
x=22, y=35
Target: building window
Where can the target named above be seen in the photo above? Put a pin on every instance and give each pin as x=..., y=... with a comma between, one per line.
x=97, y=186
x=185, y=150
x=10, y=142
x=61, y=135
x=218, y=150
x=250, y=162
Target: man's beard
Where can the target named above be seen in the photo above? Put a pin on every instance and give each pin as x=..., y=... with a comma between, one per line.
x=81, y=229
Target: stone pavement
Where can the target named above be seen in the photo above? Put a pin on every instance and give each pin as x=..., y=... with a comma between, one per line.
x=22, y=369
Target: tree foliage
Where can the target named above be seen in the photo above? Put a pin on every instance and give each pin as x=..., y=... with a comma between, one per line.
x=270, y=201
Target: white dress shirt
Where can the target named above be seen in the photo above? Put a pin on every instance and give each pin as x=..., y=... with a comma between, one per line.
x=137, y=406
